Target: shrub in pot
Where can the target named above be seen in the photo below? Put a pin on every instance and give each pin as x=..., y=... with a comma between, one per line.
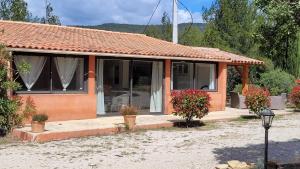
x=129, y=113
x=256, y=99
x=295, y=96
x=38, y=123
x=279, y=83
x=190, y=103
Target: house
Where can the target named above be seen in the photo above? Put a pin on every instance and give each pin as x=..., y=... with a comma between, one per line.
x=80, y=73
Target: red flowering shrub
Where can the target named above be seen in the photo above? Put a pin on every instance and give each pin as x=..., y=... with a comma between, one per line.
x=295, y=96
x=256, y=99
x=190, y=103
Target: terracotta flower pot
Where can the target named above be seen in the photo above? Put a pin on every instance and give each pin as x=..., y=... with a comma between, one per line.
x=129, y=121
x=37, y=127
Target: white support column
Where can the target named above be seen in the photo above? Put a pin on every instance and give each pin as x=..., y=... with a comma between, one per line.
x=175, y=24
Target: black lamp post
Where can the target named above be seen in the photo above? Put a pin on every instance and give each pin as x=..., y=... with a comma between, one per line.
x=267, y=116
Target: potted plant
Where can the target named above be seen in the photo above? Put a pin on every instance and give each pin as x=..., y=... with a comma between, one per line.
x=237, y=100
x=279, y=83
x=256, y=99
x=38, y=123
x=295, y=97
x=129, y=113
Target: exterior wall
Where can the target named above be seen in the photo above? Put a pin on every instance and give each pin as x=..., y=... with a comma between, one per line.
x=218, y=98
x=68, y=106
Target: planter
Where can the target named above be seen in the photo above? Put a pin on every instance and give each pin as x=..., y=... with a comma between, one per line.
x=278, y=102
x=37, y=127
x=129, y=121
x=237, y=101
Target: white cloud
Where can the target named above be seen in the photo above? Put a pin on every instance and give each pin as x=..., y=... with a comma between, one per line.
x=93, y=12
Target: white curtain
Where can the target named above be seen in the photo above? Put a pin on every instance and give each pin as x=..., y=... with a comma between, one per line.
x=156, y=87
x=100, y=88
x=36, y=64
x=212, y=77
x=66, y=67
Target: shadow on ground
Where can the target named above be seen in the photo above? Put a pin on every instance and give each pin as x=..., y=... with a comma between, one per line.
x=281, y=152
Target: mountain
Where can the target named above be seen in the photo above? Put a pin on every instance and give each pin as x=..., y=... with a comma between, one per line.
x=131, y=28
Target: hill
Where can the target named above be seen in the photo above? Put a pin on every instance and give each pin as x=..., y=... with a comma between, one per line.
x=131, y=28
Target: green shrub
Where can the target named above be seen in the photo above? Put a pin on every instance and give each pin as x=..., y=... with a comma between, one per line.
x=40, y=117
x=190, y=103
x=256, y=99
x=257, y=70
x=277, y=82
x=238, y=88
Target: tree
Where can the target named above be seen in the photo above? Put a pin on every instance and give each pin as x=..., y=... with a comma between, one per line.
x=231, y=26
x=50, y=17
x=166, y=27
x=191, y=37
x=15, y=10
x=278, y=33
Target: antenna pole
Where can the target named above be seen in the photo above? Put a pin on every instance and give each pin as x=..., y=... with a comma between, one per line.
x=46, y=10
x=175, y=24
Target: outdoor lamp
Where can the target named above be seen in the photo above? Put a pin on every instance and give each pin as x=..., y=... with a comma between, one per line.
x=267, y=116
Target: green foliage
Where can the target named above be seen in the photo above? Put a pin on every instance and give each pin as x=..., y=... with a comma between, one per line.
x=277, y=82
x=15, y=10
x=40, y=117
x=257, y=70
x=238, y=88
x=231, y=25
x=192, y=37
x=190, y=103
x=256, y=99
x=278, y=33
x=233, y=77
x=51, y=18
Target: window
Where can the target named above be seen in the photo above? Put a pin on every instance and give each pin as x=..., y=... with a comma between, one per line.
x=193, y=75
x=182, y=75
x=58, y=73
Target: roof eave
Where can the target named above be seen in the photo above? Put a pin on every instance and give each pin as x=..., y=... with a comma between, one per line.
x=115, y=55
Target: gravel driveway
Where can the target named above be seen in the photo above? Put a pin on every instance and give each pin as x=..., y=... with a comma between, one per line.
x=197, y=148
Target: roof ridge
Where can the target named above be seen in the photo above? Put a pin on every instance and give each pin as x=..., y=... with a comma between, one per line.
x=71, y=27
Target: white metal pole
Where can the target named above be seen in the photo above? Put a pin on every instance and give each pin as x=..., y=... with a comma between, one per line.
x=175, y=24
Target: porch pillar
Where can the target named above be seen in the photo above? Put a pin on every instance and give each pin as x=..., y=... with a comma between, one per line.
x=167, y=98
x=245, y=79
x=91, y=76
x=9, y=75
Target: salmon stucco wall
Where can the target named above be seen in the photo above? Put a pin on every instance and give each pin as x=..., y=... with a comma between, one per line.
x=218, y=98
x=61, y=107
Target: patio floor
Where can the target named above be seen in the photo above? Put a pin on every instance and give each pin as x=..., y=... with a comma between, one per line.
x=110, y=125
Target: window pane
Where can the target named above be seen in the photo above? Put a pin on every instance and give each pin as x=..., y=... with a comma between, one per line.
x=141, y=89
x=205, y=76
x=116, y=79
x=42, y=83
x=77, y=82
x=182, y=75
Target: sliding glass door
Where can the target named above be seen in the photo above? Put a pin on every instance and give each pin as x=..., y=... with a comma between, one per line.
x=129, y=82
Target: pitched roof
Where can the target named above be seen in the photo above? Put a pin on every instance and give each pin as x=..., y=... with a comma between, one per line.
x=235, y=59
x=23, y=35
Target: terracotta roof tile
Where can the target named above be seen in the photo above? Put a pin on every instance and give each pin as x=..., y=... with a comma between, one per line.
x=73, y=39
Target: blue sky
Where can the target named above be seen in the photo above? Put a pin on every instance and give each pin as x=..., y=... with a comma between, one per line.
x=95, y=12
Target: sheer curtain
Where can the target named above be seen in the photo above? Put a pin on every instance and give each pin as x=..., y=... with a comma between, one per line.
x=212, y=76
x=36, y=63
x=66, y=67
x=156, y=87
x=100, y=87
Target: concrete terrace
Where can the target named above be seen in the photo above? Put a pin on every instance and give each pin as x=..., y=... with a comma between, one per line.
x=62, y=130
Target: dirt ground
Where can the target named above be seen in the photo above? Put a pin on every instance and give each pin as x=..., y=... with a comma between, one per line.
x=175, y=148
